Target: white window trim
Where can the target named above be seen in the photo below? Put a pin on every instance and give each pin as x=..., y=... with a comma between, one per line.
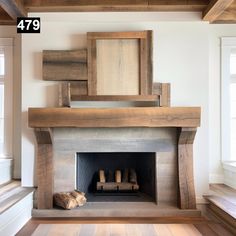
x=6, y=44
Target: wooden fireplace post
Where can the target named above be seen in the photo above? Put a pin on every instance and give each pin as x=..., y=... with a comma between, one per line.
x=44, y=168
x=187, y=198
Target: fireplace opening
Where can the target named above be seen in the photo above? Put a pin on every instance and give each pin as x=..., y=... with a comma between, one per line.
x=127, y=177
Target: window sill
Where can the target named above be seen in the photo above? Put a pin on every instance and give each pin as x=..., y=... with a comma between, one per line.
x=230, y=165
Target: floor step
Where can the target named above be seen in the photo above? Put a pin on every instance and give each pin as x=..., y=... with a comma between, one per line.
x=222, y=205
x=12, y=193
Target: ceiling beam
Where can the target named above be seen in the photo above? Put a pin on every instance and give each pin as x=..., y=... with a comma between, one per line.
x=228, y=16
x=215, y=9
x=114, y=5
x=14, y=8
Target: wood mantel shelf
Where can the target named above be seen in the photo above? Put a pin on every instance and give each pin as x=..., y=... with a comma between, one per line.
x=114, y=117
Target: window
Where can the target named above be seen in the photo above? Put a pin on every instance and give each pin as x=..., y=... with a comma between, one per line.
x=6, y=96
x=228, y=98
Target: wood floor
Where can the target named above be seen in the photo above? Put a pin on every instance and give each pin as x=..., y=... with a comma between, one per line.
x=179, y=226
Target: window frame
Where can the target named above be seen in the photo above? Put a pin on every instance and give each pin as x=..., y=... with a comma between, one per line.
x=6, y=45
x=227, y=45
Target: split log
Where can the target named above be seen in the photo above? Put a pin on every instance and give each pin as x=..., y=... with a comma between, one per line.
x=79, y=197
x=112, y=186
x=102, y=178
x=118, y=176
x=133, y=176
x=125, y=176
x=65, y=200
x=69, y=200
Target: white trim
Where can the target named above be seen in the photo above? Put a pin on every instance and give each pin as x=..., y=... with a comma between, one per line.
x=216, y=179
x=228, y=42
x=6, y=45
x=6, y=41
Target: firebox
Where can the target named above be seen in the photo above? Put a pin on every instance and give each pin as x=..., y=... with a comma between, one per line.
x=142, y=164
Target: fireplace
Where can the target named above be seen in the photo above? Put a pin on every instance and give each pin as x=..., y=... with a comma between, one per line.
x=161, y=136
x=143, y=163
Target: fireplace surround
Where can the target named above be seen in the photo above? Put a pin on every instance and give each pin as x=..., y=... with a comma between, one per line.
x=61, y=133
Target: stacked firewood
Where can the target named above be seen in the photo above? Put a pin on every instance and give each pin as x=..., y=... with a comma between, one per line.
x=69, y=200
x=120, y=180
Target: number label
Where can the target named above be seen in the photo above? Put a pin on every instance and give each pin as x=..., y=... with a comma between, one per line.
x=28, y=25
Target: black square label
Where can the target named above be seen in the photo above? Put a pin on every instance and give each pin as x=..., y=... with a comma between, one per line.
x=28, y=25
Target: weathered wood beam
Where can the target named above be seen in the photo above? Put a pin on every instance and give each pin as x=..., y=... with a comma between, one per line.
x=114, y=5
x=14, y=8
x=228, y=16
x=215, y=9
x=44, y=168
x=114, y=117
x=187, y=198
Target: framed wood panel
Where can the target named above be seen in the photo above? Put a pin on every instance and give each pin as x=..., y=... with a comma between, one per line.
x=120, y=63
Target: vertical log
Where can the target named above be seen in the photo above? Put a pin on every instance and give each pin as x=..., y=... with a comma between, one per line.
x=187, y=199
x=64, y=94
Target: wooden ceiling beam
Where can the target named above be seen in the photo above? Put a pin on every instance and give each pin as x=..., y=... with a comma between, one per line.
x=114, y=5
x=14, y=8
x=215, y=9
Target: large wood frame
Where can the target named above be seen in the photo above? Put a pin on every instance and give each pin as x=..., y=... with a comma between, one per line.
x=145, y=58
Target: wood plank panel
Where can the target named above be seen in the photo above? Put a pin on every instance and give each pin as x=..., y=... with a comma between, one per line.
x=118, y=67
x=215, y=9
x=62, y=56
x=65, y=72
x=165, y=95
x=187, y=198
x=79, y=88
x=115, y=98
x=64, y=94
x=114, y=117
x=44, y=168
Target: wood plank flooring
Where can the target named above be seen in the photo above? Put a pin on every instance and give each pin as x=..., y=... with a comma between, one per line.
x=121, y=227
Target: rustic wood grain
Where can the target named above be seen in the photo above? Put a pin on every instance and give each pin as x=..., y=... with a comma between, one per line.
x=65, y=71
x=118, y=67
x=115, y=117
x=187, y=199
x=144, y=63
x=44, y=168
x=114, y=5
x=63, y=56
x=117, y=185
x=64, y=94
x=78, y=88
x=165, y=95
x=115, y=98
x=215, y=9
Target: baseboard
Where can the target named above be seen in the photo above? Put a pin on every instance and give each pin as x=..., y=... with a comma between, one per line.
x=5, y=170
x=12, y=220
x=216, y=179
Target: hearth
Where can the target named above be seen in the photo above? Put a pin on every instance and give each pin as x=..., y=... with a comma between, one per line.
x=142, y=164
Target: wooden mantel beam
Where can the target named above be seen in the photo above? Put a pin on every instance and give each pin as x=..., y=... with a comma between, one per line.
x=215, y=9
x=114, y=117
x=14, y=8
x=114, y=5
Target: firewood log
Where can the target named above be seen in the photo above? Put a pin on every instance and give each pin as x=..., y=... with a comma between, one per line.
x=79, y=197
x=102, y=178
x=133, y=176
x=65, y=200
x=125, y=176
x=118, y=176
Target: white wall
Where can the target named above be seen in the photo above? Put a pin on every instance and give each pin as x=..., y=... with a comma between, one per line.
x=10, y=32
x=181, y=57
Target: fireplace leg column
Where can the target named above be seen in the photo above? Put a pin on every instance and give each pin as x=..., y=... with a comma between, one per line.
x=44, y=168
x=187, y=198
